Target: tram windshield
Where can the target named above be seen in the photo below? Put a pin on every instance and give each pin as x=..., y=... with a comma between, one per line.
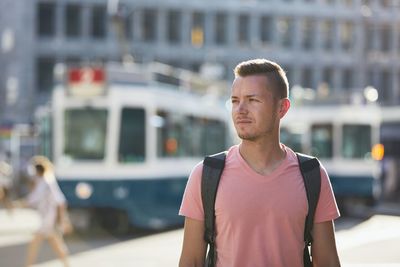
x=85, y=133
x=356, y=141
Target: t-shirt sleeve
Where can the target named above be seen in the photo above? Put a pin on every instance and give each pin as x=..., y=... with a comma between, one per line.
x=192, y=205
x=326, y=208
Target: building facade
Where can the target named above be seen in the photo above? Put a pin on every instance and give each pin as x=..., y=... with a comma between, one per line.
x=342, y=45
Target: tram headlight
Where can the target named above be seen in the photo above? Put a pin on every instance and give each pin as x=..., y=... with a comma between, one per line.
x=83, y=190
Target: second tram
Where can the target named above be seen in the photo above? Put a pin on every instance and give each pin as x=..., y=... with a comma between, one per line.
x=345, y=139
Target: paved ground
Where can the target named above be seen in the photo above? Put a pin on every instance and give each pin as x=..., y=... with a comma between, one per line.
x=373, y=242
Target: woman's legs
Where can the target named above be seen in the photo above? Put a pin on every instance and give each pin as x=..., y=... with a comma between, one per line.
x=33, y=248
x=57, y=243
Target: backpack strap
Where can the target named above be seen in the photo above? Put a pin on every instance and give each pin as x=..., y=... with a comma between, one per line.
x=309, y=167
x=212, y=170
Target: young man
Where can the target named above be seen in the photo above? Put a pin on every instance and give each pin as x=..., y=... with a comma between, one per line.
x=261, y=203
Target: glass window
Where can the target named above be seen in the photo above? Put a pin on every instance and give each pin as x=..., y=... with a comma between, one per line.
x=308, y=78
x=197, y=32
x=46, y=20
x=347, y=35
x=327, y=34
x=44, y=74
x=73, y=23
x=327, y=76
x=356, y=141
x=169, y=135
x=369, y=36
x=266, y=29
x=285, y=30
x=244, y=29
x=85, y=133
x=99, y=22
x=322, y=140
x=214, y=137
x=308, y=37
x=132, y=138
x=179, y=135
x=292, y=140
x=386, y=37
x=174, y=26
x=149, y=25
x=220, y=36
x=348, y=78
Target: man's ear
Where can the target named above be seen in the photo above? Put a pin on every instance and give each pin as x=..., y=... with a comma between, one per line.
x=284, y=107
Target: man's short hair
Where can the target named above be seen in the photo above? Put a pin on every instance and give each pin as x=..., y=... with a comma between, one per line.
x=274, y=73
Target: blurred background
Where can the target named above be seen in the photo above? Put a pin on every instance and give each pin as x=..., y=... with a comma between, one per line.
x=125, y=97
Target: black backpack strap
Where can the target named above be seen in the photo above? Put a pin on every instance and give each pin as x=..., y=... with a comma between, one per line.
x=212, y=170
x=309, y=167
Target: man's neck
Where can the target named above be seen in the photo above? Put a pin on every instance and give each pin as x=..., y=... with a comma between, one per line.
x=263, y=156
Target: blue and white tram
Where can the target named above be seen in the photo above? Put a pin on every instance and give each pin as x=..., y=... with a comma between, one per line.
x=125, y=155
x=344, y=139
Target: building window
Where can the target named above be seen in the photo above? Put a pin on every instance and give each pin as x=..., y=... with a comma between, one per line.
x=307, y=28
x=73, y=25
x=386, y=37
x=369, y=37
x=44, y=74
x=174, y=26
x=244, y=29
x=327, y=77
x=327, y=34
x=149, y=25
x=266, y=29
x=348, y=3
x=46, y=20
x=99, y=22
x=398, y=37
x=385, y=3
x=220, y=36
x=348, y=79
x=366, y=3
x=307, y=78
x=346, y=35
x=285, y=30
x=385, y=87
x=197, y=31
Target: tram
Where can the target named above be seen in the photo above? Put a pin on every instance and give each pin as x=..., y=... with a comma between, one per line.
x=346, y=140
x=126, y=138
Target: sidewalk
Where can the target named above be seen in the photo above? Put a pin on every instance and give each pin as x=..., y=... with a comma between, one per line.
x=17, y=226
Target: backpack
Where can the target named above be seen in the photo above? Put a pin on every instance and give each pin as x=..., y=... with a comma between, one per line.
x=212, y=171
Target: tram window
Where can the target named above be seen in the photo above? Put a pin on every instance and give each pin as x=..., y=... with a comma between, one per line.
x=213, y=137
x=193, y=131
x=356, y=141
x=85, y=133
x=322, y=140
x=132, y=136
x=292, y=140
x=169, y=135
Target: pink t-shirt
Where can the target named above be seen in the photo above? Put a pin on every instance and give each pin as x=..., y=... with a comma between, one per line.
x=259, y=218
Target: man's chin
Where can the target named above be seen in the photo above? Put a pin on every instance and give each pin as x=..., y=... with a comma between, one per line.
x=247, y=137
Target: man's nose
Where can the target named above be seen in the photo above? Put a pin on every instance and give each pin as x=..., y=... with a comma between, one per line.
x=241, y=107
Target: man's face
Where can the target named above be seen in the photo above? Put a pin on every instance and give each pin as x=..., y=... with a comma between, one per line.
x=255, y=111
